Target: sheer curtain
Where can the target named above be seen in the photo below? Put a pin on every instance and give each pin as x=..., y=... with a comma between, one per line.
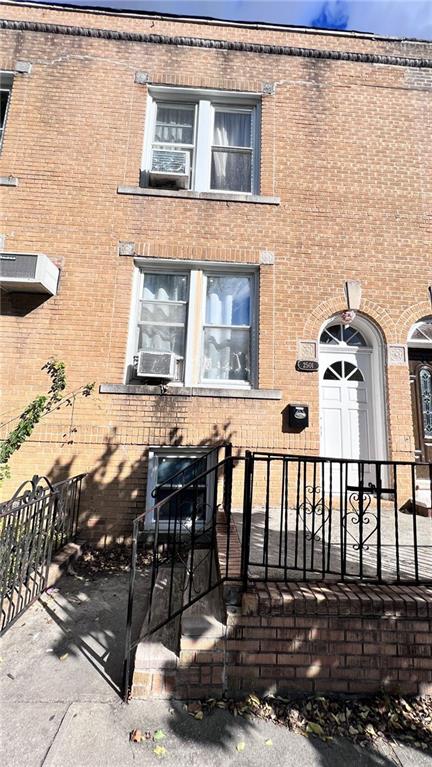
x=163, y=313
x=227, y=331
x=231, y=169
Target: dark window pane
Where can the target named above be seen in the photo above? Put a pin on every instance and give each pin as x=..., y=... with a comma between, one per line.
x=231, y=171
x=329, y=375
x=4, y=98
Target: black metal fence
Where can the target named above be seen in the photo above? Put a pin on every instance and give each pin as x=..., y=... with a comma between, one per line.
x=265, y=517
x=313, y=518
x=34, y=524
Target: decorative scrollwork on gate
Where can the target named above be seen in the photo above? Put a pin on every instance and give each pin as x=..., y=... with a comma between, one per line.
x=359, y=515
x=313, y=507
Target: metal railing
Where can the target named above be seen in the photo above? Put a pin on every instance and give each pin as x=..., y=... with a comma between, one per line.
x=182, y=530
x=34, y=524
x=323, y=519
x=296, y=518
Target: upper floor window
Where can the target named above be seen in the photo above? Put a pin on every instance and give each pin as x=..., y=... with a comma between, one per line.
x=194, y=325
x=202, y=142
x=5, y=92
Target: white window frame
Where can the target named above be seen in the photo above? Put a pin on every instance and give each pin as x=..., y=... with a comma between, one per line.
x=206, y=102
x=5, y=75
x=195, y=317
x=156, y=452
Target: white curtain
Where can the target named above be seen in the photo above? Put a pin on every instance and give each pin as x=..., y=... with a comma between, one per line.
x=227, y=349
x=231, y=170
x=174, y=125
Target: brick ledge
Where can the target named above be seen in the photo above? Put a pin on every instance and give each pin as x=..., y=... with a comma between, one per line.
x=342, y=599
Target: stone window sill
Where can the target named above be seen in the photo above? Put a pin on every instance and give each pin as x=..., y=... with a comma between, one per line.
x=190, y=391
x=8, y=181
x=186, y=194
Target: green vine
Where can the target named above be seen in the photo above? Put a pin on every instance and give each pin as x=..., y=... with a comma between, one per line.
x=37, y=409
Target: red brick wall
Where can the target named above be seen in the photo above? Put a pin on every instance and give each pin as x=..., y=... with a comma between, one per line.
x=315, y=639
x=344, y=145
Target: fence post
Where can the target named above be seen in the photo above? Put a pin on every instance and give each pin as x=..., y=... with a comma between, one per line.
x=130, y=605
x=247, y=517
x=227, y=489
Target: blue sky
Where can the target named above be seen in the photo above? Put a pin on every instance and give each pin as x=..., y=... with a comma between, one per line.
x=401, y=18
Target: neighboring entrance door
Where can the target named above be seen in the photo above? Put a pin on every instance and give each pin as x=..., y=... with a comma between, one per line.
x=346, y=394
x=420, y=367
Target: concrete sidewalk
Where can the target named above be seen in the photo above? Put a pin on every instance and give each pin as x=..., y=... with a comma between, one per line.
x=60, y=674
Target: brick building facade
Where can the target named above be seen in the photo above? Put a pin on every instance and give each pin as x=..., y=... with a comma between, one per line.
x=240, y=270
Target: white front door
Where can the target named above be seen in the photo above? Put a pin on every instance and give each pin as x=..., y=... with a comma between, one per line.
x=347, y=428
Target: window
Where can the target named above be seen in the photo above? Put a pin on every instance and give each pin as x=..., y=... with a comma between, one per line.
x=5, y=92
x=201, y=141
x=203, y=318
x=170, y=469
x=342, y=335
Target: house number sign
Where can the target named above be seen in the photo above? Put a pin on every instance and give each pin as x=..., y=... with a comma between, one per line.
x=307, y=366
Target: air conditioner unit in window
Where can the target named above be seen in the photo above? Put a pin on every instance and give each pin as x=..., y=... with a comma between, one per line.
x=170, y=166
x=157, y=365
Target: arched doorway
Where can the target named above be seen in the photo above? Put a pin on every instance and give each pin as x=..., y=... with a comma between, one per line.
x=352, y=411
x=420, y=367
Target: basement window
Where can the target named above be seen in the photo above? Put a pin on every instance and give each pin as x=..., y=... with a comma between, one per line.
x=170, y=468
x=202, y=141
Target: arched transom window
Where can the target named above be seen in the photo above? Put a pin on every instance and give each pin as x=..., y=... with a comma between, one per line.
x=342, y=369
x=421, y=333
x=339, y=334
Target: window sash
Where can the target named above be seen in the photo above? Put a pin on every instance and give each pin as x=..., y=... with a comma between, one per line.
x=191, y=372
x=206, y=326
x=203, y=148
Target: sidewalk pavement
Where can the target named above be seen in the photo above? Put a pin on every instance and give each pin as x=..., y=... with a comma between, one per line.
x=60, y=675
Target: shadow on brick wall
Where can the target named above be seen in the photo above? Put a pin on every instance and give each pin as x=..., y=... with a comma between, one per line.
x=114, y=489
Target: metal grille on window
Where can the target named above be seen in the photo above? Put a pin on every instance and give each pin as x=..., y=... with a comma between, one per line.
x=163, y=313
x=193, y=498
x=227, y=329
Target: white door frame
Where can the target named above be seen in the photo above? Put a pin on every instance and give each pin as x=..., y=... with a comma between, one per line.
x=378, y=399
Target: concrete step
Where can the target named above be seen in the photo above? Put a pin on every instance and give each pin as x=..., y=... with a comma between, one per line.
x=156, y=656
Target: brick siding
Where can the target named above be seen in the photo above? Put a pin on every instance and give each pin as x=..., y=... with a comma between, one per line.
x=345, y=146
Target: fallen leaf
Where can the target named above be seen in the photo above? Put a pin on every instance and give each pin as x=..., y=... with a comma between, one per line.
x=160, y=751
x=315, y=729
x=136, y=736
x=192, y=708
x=159, y=735
x=268, y=742
x=199, y=715
x=240, y=746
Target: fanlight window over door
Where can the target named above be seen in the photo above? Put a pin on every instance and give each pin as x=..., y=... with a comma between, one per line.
x=342, y=335
x=341, y=370
x=421, y=333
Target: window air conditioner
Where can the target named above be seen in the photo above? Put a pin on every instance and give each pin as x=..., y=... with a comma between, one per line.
x=157, y=365
x=170, y=165
x=28, y=273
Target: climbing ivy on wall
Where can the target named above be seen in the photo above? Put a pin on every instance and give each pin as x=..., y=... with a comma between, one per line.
x=39, y=407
